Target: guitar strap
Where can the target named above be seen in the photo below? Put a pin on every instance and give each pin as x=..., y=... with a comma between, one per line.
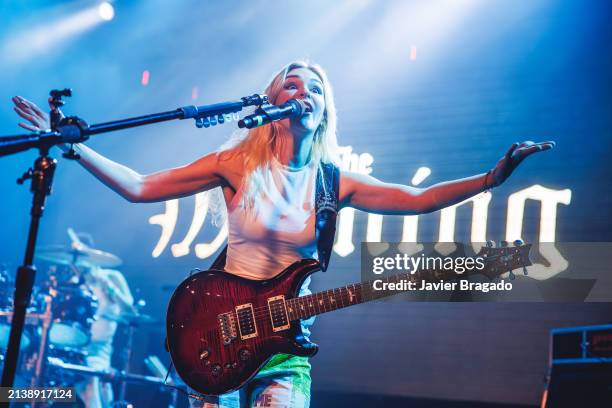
x=326, y=209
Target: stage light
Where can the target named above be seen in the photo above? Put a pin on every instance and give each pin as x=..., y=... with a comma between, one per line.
x=413, y=53
x=33, y=41
x=106, y=11
x=145, y=77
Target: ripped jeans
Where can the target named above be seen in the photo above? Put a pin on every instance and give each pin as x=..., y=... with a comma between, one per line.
x=283, y=383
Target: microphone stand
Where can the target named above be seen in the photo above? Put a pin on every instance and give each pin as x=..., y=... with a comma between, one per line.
x=72, y=130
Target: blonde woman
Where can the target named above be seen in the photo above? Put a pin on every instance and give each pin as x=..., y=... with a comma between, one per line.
x=267, y=181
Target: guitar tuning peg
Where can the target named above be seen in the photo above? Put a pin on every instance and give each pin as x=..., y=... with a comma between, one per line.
x=511, y=275
x=213, y=120
x=518, y=242
x=525, y=271
x=503, y=244
x=220, y=119
x=490, y=244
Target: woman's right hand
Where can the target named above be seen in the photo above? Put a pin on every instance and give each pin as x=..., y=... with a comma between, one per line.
x=28, y=110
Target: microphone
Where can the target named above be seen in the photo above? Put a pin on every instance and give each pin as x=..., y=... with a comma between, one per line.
x=271, y=113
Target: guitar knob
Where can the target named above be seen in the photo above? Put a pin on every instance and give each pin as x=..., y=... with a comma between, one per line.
x=228, y=366
x=490, y=244
x=244, y=354
x=518, y=242
x=216, y=370
x=512, y=276
x=503, y=244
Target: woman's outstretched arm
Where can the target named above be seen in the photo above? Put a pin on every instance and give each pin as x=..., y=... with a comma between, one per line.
x=197, y=176
x=202, y=174
x=372, y=195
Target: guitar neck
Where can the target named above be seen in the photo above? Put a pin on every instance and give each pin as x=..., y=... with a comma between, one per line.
x=322, y=302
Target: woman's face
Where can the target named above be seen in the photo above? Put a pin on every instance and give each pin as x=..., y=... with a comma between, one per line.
x=302, y=83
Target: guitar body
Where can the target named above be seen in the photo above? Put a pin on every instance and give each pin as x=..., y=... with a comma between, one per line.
x=220, y=330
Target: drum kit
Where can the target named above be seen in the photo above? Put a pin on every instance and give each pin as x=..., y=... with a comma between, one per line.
x=59, y=321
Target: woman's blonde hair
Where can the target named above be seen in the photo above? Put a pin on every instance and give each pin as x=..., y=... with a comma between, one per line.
x=259, y=146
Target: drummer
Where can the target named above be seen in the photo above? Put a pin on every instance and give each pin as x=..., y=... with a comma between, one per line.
x=114, y=300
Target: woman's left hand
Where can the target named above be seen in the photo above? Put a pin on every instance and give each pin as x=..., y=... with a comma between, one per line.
x=513, y=157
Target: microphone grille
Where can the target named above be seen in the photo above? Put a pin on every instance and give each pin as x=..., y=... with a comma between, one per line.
x=300, y=107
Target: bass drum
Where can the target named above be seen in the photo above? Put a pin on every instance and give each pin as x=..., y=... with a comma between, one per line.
x=74, y=308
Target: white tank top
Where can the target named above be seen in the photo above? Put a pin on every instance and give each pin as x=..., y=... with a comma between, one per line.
x=278, y=229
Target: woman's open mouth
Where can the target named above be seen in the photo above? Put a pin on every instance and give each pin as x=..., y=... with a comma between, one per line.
x=308, y=107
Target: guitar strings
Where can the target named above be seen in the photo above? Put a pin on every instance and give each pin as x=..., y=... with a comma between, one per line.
x=263, y=312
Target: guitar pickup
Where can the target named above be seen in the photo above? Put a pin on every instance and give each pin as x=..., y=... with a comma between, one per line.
x=246, y=321
x=278, y=313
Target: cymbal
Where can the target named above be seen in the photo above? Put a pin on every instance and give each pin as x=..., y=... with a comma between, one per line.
x=79, y=255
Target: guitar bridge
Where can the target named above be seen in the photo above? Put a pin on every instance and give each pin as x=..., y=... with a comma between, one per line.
x=227, y=324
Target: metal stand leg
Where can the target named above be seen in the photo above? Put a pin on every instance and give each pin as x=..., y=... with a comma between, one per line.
x=42, y=177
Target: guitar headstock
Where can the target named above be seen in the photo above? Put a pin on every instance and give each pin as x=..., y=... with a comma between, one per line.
x=505, y=258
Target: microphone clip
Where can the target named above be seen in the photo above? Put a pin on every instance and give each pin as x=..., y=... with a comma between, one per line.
x=256, y=99
x=265, y=108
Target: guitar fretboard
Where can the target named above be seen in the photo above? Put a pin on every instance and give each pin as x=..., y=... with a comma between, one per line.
x=345, y=296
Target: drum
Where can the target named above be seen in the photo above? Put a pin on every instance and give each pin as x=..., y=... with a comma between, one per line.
x=74, y=308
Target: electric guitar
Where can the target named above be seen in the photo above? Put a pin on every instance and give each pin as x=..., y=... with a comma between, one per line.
x=222, y=329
